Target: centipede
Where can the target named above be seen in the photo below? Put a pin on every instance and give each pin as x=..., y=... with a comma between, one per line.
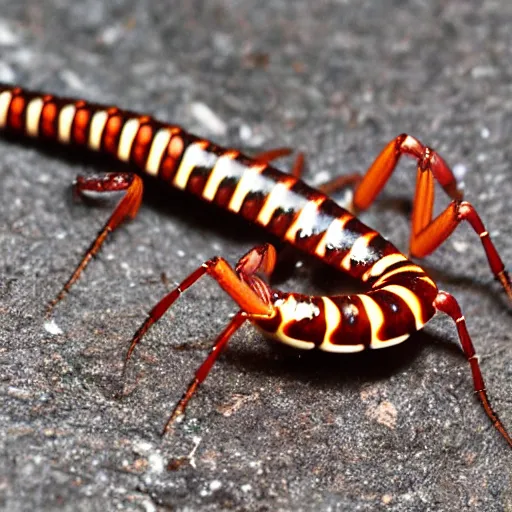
x=399, y=296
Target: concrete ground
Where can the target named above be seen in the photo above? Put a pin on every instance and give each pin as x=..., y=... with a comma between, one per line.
x=271, y=429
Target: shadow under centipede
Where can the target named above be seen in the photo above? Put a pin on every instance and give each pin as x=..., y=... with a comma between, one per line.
x=324, y=369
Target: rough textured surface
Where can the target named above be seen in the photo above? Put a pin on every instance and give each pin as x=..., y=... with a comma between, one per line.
x=271, y=429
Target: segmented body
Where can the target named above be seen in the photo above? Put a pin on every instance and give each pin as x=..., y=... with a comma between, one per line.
x=400, y=295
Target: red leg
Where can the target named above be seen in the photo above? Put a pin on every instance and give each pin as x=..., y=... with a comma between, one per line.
x=446, y=303
x=265, y=157
x=328, y=188
x=127, y=208
x=218, y=268
x=203, y=371
x=384, y=165
x=428, y=233
x=246, y=288
x=437, y=231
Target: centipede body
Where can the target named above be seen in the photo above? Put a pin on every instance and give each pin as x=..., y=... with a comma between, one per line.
x=400, y=298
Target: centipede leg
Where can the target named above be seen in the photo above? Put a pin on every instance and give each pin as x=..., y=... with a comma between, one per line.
x=127, y=208
x=228, y=280
x=203, y=371
x=428, y=233
x=249, y=291
x=329, y=187
x=382, y=168
x=447, y=304
x=270, y=155
x=426, y=240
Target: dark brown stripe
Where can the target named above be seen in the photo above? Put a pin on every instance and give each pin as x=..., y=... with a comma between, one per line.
x=280, y=221
x=308, y=329
x=225, y=191
x=271, y=325
x=354, y=327
x=228, y=185
x=172, y=157
x=300, y=188
x=252, y=205
x=17, y=113
x=424, y=290
x=112, y=131
x=398, y=317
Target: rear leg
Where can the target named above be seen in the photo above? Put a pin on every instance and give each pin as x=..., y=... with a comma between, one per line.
x=127, y=208
x=447, y=304
x=246, y=285
x=428, y=233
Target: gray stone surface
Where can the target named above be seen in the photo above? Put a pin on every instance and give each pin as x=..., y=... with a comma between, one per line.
x=271, y=429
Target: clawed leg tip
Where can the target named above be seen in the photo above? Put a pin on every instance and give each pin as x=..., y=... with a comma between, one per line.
x=49, y=309
x=166, y=430
x=175, y=418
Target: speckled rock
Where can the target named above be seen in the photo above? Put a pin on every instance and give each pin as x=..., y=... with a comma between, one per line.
x=271, y=429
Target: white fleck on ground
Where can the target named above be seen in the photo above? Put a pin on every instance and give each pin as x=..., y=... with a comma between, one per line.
x=208, y=118
x=52, y=328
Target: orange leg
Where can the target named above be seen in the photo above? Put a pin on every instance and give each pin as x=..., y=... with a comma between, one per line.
x=127, y=208
x=384, y=165
x=203, y=371
x=265, y=157
x=428, y=233
x=330, y=187
x=447, y=304
x=246, y=288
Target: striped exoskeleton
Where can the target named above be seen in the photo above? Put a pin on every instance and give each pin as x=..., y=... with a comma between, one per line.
x=400, y=296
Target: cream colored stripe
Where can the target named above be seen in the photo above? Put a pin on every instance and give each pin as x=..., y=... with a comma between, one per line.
x=389, y=343
x=33, y=116
x=158, y=146
x=244, y=186
x=128, y=134
x=195, y=156
x=305, y=221
x=292, y=311
x=286, y=340
x=359, y=251
x=384, y=263
x=98, y=122
x=332, y=322
x=399, y=270
x=5, y=102
x=66, y=116
x=222, y=168
x=272, y=202
x=332, y=235
x=410, y=299
x=375, y=317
